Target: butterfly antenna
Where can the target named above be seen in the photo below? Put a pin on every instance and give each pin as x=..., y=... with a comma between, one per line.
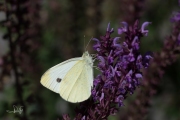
x=84, y=42
x=88, y=43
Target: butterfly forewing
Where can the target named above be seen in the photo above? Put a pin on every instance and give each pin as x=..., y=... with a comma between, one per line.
x=49, y=78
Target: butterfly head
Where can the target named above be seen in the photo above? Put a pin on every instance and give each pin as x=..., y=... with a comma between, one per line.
x=87, y=58
x=85, y=54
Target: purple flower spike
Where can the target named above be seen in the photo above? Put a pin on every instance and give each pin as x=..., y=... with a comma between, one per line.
x=112, y=29
x=97, y=45
x=108, y=27
x=120, y=65
x=120, y=99
x=135, y=44
x=144, y=25
x=83, y=118
x=125, y=44
x=95, y=39
x=175, y=17
x=110, y=58
x=146, y=59
x=120, y=31
x=102, y=96
x=138, y=75
x=125, y=26
x=113, y=71
x=123, y=29
x=115, y=42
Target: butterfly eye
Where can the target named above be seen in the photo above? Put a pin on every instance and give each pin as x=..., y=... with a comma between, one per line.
x=58, y=80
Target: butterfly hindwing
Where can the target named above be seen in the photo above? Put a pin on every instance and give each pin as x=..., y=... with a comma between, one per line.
x=75, y=86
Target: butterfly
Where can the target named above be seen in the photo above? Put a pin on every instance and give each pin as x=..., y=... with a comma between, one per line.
x=72, y=79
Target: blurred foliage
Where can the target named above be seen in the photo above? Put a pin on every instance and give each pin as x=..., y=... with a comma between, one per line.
x=64, y=23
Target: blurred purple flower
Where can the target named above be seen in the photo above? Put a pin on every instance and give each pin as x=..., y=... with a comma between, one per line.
x=145, y=32
x=123, y=29
x=175, y=17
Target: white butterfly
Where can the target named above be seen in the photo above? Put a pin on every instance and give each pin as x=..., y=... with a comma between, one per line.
x=72, y=79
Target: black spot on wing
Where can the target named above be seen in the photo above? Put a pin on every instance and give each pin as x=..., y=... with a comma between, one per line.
x=58, y=80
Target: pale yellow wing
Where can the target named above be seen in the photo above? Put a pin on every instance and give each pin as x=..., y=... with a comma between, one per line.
x=77, y=83
x=52, y=78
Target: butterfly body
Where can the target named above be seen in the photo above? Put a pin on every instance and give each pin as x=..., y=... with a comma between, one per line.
x=72, y=79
